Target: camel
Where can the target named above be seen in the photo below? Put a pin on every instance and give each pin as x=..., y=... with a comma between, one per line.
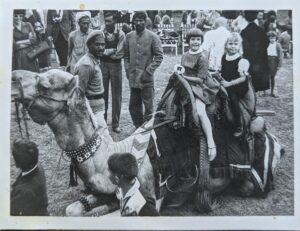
x=54, y=98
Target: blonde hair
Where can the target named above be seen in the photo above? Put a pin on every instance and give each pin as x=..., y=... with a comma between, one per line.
x=234, y=36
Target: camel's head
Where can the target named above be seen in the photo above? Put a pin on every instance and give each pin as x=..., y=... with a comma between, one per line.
x=42, y=94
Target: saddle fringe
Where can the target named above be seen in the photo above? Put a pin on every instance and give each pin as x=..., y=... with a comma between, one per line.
x=204, y=165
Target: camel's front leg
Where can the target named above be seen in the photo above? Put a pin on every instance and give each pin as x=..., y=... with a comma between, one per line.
x=103, y=209
x=92, y=205
x=78, y=208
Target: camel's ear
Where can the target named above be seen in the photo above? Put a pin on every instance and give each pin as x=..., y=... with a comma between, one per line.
x=44, y=82
x=16, y=75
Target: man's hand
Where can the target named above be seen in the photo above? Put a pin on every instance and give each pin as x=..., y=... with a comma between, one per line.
x=109, y=52
x=146, y=77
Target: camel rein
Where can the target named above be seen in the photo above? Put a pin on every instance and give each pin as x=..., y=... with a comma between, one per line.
x=17, y=103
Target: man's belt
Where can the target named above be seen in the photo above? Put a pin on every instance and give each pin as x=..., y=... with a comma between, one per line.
x=92, y=97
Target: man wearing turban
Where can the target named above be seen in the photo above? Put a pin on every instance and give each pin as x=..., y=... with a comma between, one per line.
x=76, y=42
x=91, y=79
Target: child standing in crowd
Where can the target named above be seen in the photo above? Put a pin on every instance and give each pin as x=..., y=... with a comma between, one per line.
x=196, y=65
x=274, y=58
x=134, y=201
x=285, y=41
x=234, y=72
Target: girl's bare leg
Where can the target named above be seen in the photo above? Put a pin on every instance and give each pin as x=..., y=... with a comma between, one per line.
x=206, y=126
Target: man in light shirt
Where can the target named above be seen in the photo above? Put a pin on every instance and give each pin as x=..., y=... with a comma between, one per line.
x=214, y=42
x=76, y=42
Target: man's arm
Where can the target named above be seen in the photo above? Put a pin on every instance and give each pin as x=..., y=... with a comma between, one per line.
x=157, y=55
x=49, y=23
x=120, y=48
x=83, y=71
x=72, y=20
x=126, y=53
x=280, y=54
x=70, y=46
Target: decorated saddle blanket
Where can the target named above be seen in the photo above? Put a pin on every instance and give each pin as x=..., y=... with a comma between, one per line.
x=141, y=138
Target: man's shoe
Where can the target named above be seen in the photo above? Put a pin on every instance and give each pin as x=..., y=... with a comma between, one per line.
x=238, y=132
x=116, y=130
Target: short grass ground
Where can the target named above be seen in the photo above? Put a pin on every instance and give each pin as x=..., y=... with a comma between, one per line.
x=280, y=201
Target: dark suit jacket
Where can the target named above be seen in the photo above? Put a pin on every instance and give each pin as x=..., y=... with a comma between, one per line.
x=149, y=209
x=255, y=45
x=29, y=194
x=66, y=25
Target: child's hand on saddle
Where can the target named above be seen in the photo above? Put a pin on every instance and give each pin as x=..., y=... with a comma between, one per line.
x=225, y=83
x=217, y=76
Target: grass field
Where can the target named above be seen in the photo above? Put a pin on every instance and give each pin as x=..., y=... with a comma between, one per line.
x=280, y=201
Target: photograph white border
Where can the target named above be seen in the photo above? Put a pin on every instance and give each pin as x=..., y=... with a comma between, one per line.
x=160, y=223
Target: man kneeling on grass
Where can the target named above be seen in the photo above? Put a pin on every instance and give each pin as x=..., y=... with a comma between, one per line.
x=123, y=169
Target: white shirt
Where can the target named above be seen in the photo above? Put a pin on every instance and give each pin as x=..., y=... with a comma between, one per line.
x=41, y=13
x=26, y=173
x=214, y=42
x=60, y=14
x=272, y=51
x=133, y=201
x=239, y=23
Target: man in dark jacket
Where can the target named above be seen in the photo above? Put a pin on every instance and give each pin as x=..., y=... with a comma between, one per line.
x=142, y=56
x=111, y=67
x=29, y=193
x=255, y=45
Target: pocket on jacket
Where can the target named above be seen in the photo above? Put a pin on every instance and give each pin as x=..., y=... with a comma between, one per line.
x=146, y=78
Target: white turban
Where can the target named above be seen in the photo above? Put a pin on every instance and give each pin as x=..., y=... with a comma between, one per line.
x=82, y=14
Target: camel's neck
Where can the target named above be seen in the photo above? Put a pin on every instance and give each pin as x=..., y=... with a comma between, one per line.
x=72, y=130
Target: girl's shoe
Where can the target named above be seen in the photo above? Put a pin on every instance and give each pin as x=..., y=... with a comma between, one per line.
x=238, y=132
x=212, y=153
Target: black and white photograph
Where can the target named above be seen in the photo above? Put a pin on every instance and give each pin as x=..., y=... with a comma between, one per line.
x=181, y=115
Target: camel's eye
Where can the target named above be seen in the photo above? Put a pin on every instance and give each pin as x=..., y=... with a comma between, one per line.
x=45, y=84
x=51, y=81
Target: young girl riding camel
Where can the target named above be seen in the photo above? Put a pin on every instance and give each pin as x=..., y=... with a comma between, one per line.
x=234, y=73
x=196, y=65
